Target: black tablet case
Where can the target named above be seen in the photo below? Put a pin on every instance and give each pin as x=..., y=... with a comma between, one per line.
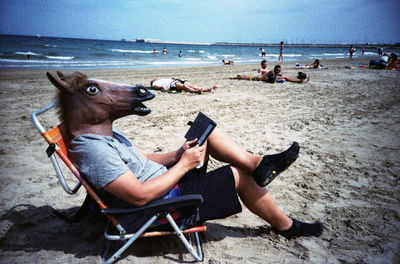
x=200, y=128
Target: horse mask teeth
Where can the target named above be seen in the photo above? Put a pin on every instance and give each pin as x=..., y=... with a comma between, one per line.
x=141, y=94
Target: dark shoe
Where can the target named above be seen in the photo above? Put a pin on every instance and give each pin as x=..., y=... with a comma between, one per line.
x=272, y=165
x=299, y=229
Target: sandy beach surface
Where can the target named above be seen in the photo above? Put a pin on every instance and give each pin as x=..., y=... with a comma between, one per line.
x=347, y=122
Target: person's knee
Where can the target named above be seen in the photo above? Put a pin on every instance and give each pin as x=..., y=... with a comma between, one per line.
x=239, y=175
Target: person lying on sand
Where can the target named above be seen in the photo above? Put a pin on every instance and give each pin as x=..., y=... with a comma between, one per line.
x=272, y=76
x=179, y=85
x=315, y=65
x=128, y=176
x=228, y=62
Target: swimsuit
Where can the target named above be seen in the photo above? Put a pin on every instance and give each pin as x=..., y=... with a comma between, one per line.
x=254, y=77
x=173, y=83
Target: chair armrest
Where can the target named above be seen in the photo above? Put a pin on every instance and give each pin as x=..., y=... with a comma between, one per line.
x=159, y=205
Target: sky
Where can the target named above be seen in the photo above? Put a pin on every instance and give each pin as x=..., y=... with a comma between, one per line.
x=246, y=21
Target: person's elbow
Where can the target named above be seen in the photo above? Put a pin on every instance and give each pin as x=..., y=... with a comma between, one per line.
x=139, y=201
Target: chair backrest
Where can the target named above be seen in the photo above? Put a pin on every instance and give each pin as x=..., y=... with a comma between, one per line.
x=58, y=144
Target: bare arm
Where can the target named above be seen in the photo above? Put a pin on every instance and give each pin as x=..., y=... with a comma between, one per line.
x=128, y=188
x=169, y=159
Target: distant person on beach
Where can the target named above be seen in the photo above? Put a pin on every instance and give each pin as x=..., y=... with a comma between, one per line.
x=380, y=50
x=154, y=52
x=168, y=84
x=264, y=68
x=315, y=65
x=180, y=53
x=351, y=51
x=262, y=52
x=272, y=76
x=363, y=51
x=281, y=52
x=164, y=51
x=393, y=62
x=384, y=59
x=28, y=57
x=228, y=62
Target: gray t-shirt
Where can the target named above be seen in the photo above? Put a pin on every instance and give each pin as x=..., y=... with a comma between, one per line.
x=103, y=159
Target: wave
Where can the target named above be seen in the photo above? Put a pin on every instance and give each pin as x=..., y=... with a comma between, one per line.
x=192, y=59
x=177, y=62
x=333, y=54
x=227, y=55
x=27, y=53
x=60, y=57
x=132, y=51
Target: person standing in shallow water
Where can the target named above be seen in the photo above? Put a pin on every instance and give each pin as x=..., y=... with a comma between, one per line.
x=351, y=51
x=281, y=52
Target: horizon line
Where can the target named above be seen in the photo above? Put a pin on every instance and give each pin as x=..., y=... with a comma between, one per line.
x=158, y=41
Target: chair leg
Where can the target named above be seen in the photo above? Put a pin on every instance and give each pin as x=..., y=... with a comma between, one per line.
x=129, y=242
x=197, y=256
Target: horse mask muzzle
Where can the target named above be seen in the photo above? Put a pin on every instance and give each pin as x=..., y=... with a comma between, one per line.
x=141, y=94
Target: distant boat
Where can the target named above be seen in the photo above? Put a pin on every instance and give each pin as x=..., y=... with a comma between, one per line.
x=38, y=35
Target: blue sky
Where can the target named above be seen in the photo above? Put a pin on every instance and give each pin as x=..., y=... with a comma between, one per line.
x=293, y=21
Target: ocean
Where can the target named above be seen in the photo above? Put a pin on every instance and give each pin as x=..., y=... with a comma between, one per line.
x=35, y=52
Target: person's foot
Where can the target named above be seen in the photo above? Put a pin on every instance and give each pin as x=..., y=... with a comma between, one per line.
x=272, y=165
x=299, y=229
x=214, y=88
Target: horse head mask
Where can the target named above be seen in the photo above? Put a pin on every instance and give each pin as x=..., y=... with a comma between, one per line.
x=90, y=106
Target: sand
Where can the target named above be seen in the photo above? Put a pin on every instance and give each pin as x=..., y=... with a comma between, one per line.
x=347, y=122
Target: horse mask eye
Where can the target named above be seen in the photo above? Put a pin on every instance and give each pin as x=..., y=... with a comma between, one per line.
x=142, y=91
x=92, y=90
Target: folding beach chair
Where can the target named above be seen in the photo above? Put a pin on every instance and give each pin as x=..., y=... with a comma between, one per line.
x=159, y=209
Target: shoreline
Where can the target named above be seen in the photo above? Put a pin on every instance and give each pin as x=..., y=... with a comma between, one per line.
x=347, y=174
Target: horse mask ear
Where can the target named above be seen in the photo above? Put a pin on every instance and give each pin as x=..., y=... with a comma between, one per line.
x=58, y=82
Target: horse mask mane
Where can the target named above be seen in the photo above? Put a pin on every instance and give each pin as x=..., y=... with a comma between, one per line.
x=90, y=106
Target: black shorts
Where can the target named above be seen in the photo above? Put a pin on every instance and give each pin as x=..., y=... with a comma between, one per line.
x=172, y=85
x=218, y=190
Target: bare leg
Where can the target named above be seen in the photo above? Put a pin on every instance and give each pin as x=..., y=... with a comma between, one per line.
x=259, y=201
x=292, y=79
x=193, y=88
x=199, y=89
x=223, y=148
x=254, y=197
x=240, y=77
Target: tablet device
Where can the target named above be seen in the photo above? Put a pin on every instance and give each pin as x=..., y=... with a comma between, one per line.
x=200, y=128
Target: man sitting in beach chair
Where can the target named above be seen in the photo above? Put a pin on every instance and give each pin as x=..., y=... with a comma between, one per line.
x=129, y=177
